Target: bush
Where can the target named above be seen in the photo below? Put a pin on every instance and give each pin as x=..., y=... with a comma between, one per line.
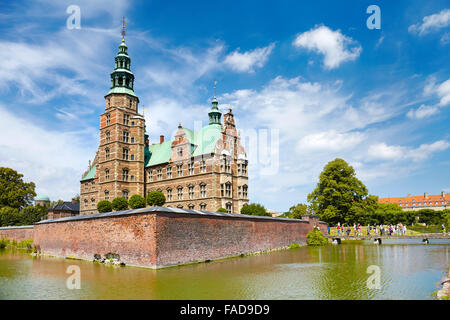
x=156, y=198
x=9, y=217
x=294, y=245
x=136, y=201
x=255, y=209
x=316, y=238
x=4, y=243
x=32, y=214
x=104, y=206
x=119, y=204
x=222, y=210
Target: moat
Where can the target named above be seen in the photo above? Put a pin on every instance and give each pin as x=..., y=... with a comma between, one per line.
x=409, y=270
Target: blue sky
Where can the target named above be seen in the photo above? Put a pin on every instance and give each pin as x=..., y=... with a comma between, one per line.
x=309, y=74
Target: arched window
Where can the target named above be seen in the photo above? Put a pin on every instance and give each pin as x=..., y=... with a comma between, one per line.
x=107, y=153
x=125, y=194
x=125, y=174
x=107, y=174
x=203, y=190
x=106, y=195
x=108, y=136
x=180, y=193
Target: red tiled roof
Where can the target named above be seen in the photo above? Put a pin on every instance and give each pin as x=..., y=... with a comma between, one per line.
x=424, y=200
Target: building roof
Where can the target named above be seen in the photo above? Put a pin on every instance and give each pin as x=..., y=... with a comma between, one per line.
x=423, y=200
x=203, y=142
x=90, y=174
x=66, y=206
x=42, y=197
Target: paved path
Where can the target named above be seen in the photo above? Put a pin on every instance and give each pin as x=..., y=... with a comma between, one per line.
x=415, y=236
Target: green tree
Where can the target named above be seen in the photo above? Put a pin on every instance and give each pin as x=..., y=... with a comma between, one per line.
x=119, y=204
x=222, y=210
x=14, y=192
x=336, y=192
x=32, y=214
x=254, y=209
x=156, y=198
x=297, y=211
x=76, y=198
x=9, y=217
x=136, y=201
x=104, y=206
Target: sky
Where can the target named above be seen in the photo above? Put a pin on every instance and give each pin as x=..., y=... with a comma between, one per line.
x=308, y=82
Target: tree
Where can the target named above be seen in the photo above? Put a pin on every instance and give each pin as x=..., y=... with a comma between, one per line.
x=104, y=206
x=136, y=201
x=119, y=204
x=297, y=211
x=222, y=210
x=254, y=209
x=32, y=214
x=14, y=192
x=336, y=192
x=156, y=198
x=9, y=217
x=76, y=198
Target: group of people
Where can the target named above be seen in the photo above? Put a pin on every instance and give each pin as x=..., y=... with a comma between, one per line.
x=382, y=230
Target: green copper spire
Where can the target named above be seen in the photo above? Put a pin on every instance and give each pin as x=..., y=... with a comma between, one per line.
x=122, y=79
x=214, y=114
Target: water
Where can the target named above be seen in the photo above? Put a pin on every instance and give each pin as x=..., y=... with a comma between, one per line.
x=409, y=270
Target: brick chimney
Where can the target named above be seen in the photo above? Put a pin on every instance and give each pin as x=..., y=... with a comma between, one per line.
x=443, y=194
x=425, y=195
x=161, y=139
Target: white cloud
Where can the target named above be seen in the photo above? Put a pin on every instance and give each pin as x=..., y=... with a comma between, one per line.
x=336, y=47
x=443, y=92
x=382, y=151
x=54, y=160
x=431, y=23
x=422, y=112
x=249, y=60
x=329, y=141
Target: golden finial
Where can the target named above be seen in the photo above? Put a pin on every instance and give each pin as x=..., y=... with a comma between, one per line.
x=124, y=24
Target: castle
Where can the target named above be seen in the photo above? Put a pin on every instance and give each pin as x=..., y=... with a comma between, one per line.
x=204, y=170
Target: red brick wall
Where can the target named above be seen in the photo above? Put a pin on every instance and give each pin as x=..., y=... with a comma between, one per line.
x=159, y=239
x=18, y=234
x=131, y=236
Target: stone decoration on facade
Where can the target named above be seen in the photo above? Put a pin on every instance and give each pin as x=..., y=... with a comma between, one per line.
x=203, y=170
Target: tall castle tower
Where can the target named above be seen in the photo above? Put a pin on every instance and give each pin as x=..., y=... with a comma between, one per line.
x=118, y=168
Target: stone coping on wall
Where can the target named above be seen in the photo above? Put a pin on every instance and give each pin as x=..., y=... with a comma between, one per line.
x=166, y=210
x=16, y=227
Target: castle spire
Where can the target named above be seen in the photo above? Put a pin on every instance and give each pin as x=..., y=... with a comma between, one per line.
x=214, y=114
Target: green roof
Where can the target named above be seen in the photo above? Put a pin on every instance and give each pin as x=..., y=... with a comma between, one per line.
x=90, y=174
x=203, y=142
x=42, y=197
x=122, y=90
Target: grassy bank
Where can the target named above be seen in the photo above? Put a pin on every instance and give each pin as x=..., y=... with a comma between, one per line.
x=24, y=244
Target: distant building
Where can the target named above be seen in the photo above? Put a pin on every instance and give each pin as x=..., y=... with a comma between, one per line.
x=64, y=209
x=427, y=201
x=41, y=200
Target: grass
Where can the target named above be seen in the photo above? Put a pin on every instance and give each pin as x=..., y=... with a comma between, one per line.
x=333, y=231
x=426, y=229
x=24, y=244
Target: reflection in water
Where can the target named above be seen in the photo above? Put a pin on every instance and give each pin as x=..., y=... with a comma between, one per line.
x=409, y=270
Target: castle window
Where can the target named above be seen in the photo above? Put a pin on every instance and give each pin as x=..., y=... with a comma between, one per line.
x=126, y=119
x=125, y=174
x=169, y=194
x=85, y=204
x=191, y=192
x=130, y=101
x=132, y=140
x=239, y=191
x=93, y=185
x=107, y=153
x=228, y=207
x=225, y=166
x=203, y=206
x=225, y=189
x=191, y=168
x=132, y=123
x=179, y=170
x=108, y=136
x=180, y=193
x=132, y=157
x=191, y=207
x=203, y=166
x=159, y=174
x=124, y=154
x=180, y=152
x=203, y=190
x=169, y=172
x=132, y=178
x=93, y=203
x=244, y=168
x=106, y=195
x=107, y=174
x=244, y=191
x=179, y=206
x=108, y=119
x=125, y=135
x=86, y=187
x=150, y=175
x=125, y=194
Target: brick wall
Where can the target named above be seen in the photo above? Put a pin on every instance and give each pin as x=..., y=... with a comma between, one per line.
x=17, y=233
x=158, y=237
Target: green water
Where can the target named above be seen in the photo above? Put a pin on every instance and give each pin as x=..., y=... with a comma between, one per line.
x=409, y=270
